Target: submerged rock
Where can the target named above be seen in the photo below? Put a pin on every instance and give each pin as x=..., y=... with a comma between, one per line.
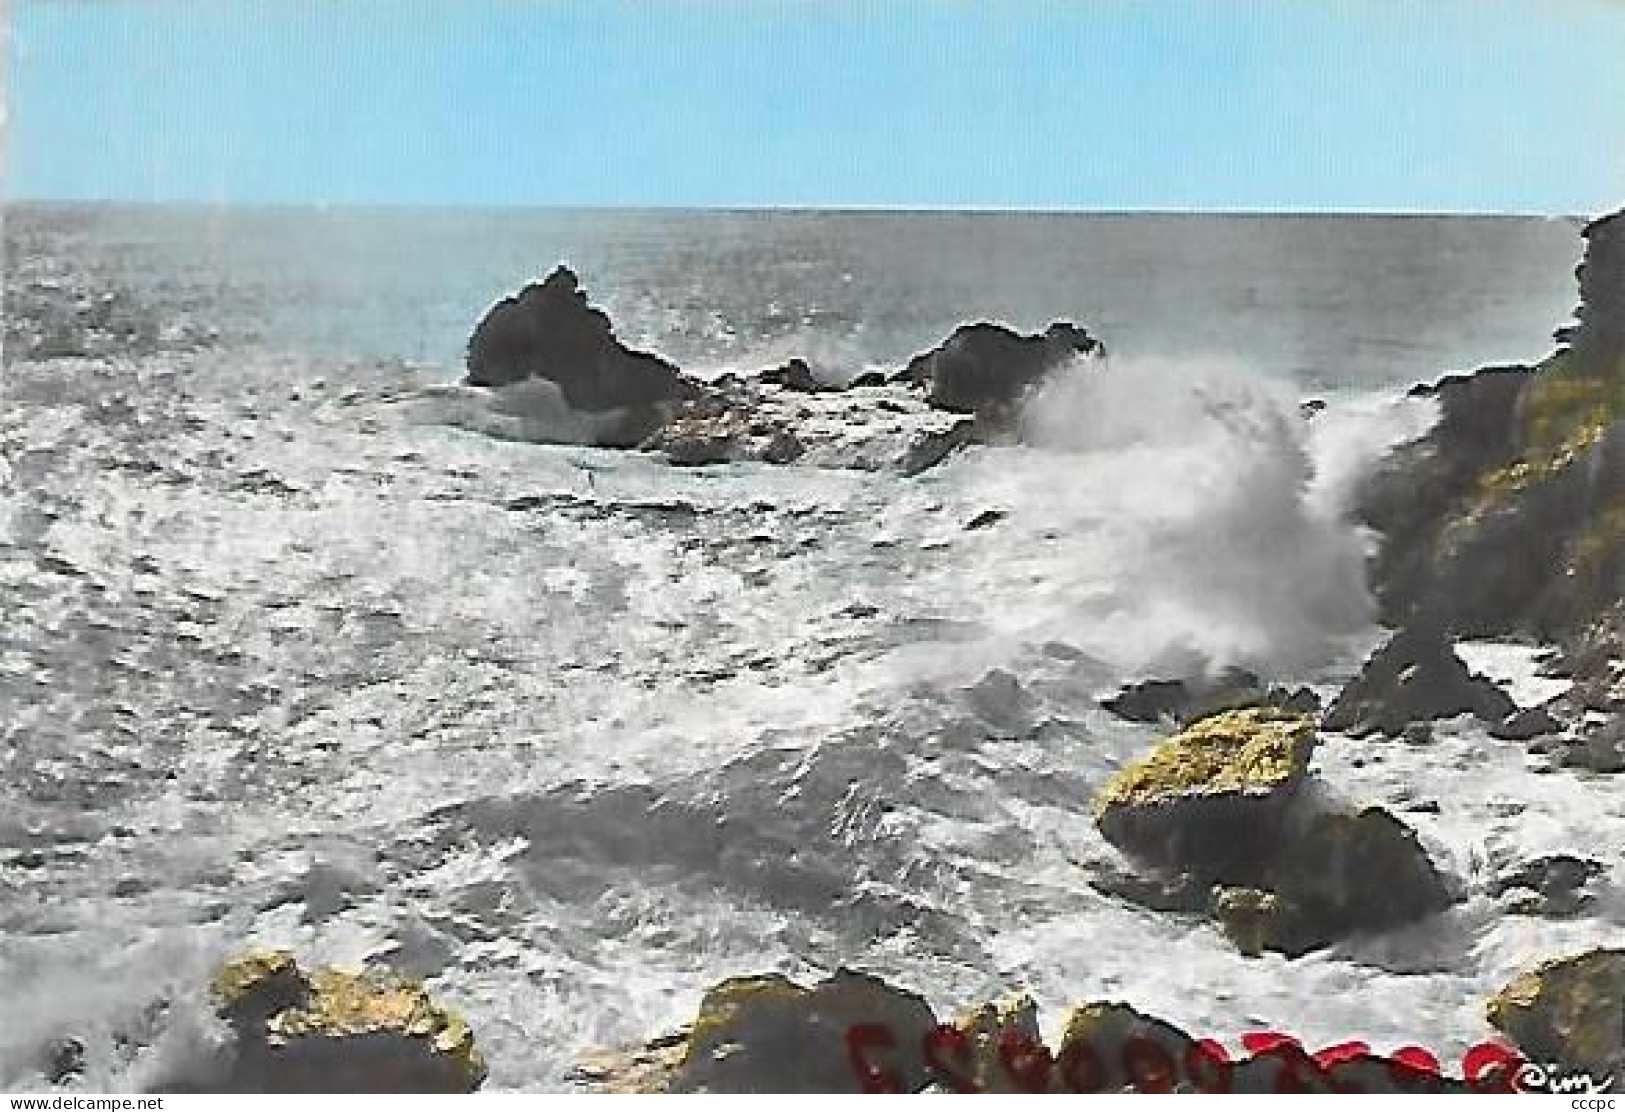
x=987, y=369
x=550, y=331
x=1415, y=677
x=1212, y=798
x=1568, y=1012
x=339, y=1032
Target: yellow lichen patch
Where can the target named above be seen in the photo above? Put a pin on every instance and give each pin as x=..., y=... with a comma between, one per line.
x=1570, y=1011
x=1256, y=751
x=1564, y=413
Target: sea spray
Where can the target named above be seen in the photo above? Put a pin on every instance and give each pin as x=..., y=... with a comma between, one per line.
x=1181, y=516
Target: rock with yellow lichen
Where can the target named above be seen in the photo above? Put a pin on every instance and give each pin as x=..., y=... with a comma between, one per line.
x=332, y=1031
x=1568, y=1012
x=767, y=1034
x=1210, y=799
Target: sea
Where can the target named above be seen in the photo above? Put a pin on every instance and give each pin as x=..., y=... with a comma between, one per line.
x=296, y=655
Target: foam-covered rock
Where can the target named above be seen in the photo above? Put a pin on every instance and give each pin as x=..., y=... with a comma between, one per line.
x=1211, y=798
x=1568, y=1012
x=1415, y=677
x=331, y=1031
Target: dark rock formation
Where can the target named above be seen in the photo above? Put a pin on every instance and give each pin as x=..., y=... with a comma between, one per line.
x=550, y=331
x=1339, y=874
x=986, y=369
x=1509, y=516
x=338, y=1032
x=1185, y=702
x=1568, y=1012
x=1526, y=725
x=798, y=376
x=1415, y=677
x=1597, y=342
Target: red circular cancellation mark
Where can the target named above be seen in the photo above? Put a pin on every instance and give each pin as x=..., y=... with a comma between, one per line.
x=1148, y=1066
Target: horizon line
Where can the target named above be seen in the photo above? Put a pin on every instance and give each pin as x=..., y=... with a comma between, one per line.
x=792, y=210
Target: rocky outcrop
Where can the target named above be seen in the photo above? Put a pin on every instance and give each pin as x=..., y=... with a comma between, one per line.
x=550, y=331
x=1509, y=516
x=987, y=369
x=1415, y=677
x=1217, y=808
x=1568, y=1012
x=331, y=1031
x=1210, y=799
x=749, y=422
x=767, y=1034
x=1186, y=701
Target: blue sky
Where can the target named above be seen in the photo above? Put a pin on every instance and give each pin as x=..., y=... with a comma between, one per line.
x=1375, y=105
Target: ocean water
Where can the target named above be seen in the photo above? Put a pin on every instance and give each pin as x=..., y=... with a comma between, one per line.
x=293, y=658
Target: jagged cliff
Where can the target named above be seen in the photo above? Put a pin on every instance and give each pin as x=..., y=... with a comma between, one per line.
x=1509, y=517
